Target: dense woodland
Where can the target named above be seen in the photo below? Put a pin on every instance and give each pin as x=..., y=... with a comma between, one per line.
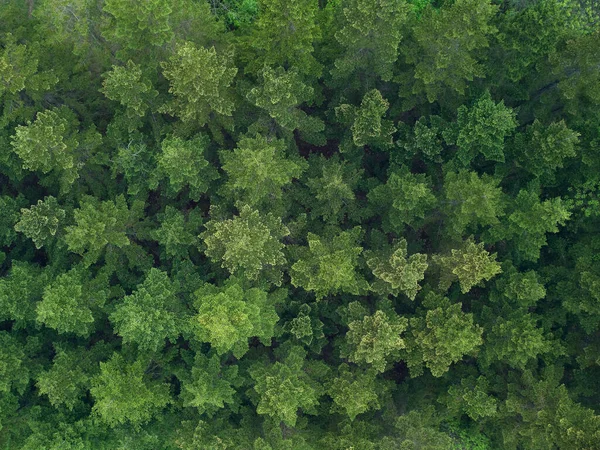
x=345, y=224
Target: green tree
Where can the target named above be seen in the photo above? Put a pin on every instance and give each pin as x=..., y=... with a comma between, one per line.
x=284, y=35
x=354, y=391
x=515, y=340
x=211, y=385
x=149, y=315
x=200, y=81
x=135, y=26
x=50, y=144
x=258, y=169
x=128, y=86
x=396, y=271
x=543, y=149
x=445, y=49
x=228, y=316
x=470, y=264
x=405, y=199
x=471, y=201
x=328, y=265
x=283, y=388
x=366, y=122
x=184, y=164
x=281, y=93
x=124, y=394
x=68, y=378
x=68, y=303
x=369, y=36
x=41, y=222
x=333, y=182
x=98, y=225
x=20, y=291
x=374, y=339
x=248, y=245
x=177, y=231
x=482, y=128
x=528, y=221
x=441, y=336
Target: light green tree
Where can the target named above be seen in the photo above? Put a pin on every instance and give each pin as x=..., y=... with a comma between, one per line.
x=284, y=387
x=355, y=391
x=482, y=128
x=228, y=316
x=41, y=222
x=248, y=245
x=183, y=163
x=441, y=336
x=374, y=340
x=212, y=385
x=472, y=201
x=149, y=315
x=258, y=169
x=328, y=265
x=68, y=302
x=470, y=264
x=200, y=80
x=396, y=271
x=125, y=394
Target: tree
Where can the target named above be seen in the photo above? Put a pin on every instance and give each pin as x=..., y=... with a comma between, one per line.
x=397, y=272
x=248, y=245
x=328, y=265
x=366, y=121
x=228, y=316
x=150, y=314
x=20, y=291
x=529, y=220
x=128, y=86
x=369, y=35
x=281, y=93
x=542, y=149
x=374, y=339
x=515, y=340
x=258, y=169
x=135, y=26
x=471, y=201
x=444, y=51
x=482, y=128
x=472, y=397
x=177, y=232
x=333, y=183
x=184, y=164
x=354, y=391
x=200, y=81
x=68, y=379
x=441, y=336
x=68, y=302
x=404, y=199
x=98, y=225
x=124, y=394
x=211, y=385
x=470, y=264
x=40, y=222
x=284, y=35
x=283, y=388
x=49, y=143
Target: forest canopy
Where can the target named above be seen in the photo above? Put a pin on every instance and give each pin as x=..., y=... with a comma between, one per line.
x=299, y=225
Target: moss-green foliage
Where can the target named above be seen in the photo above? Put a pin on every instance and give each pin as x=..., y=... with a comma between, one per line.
x=299, y=225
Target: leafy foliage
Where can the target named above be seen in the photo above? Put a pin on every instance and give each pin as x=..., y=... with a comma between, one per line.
x=260, y=224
